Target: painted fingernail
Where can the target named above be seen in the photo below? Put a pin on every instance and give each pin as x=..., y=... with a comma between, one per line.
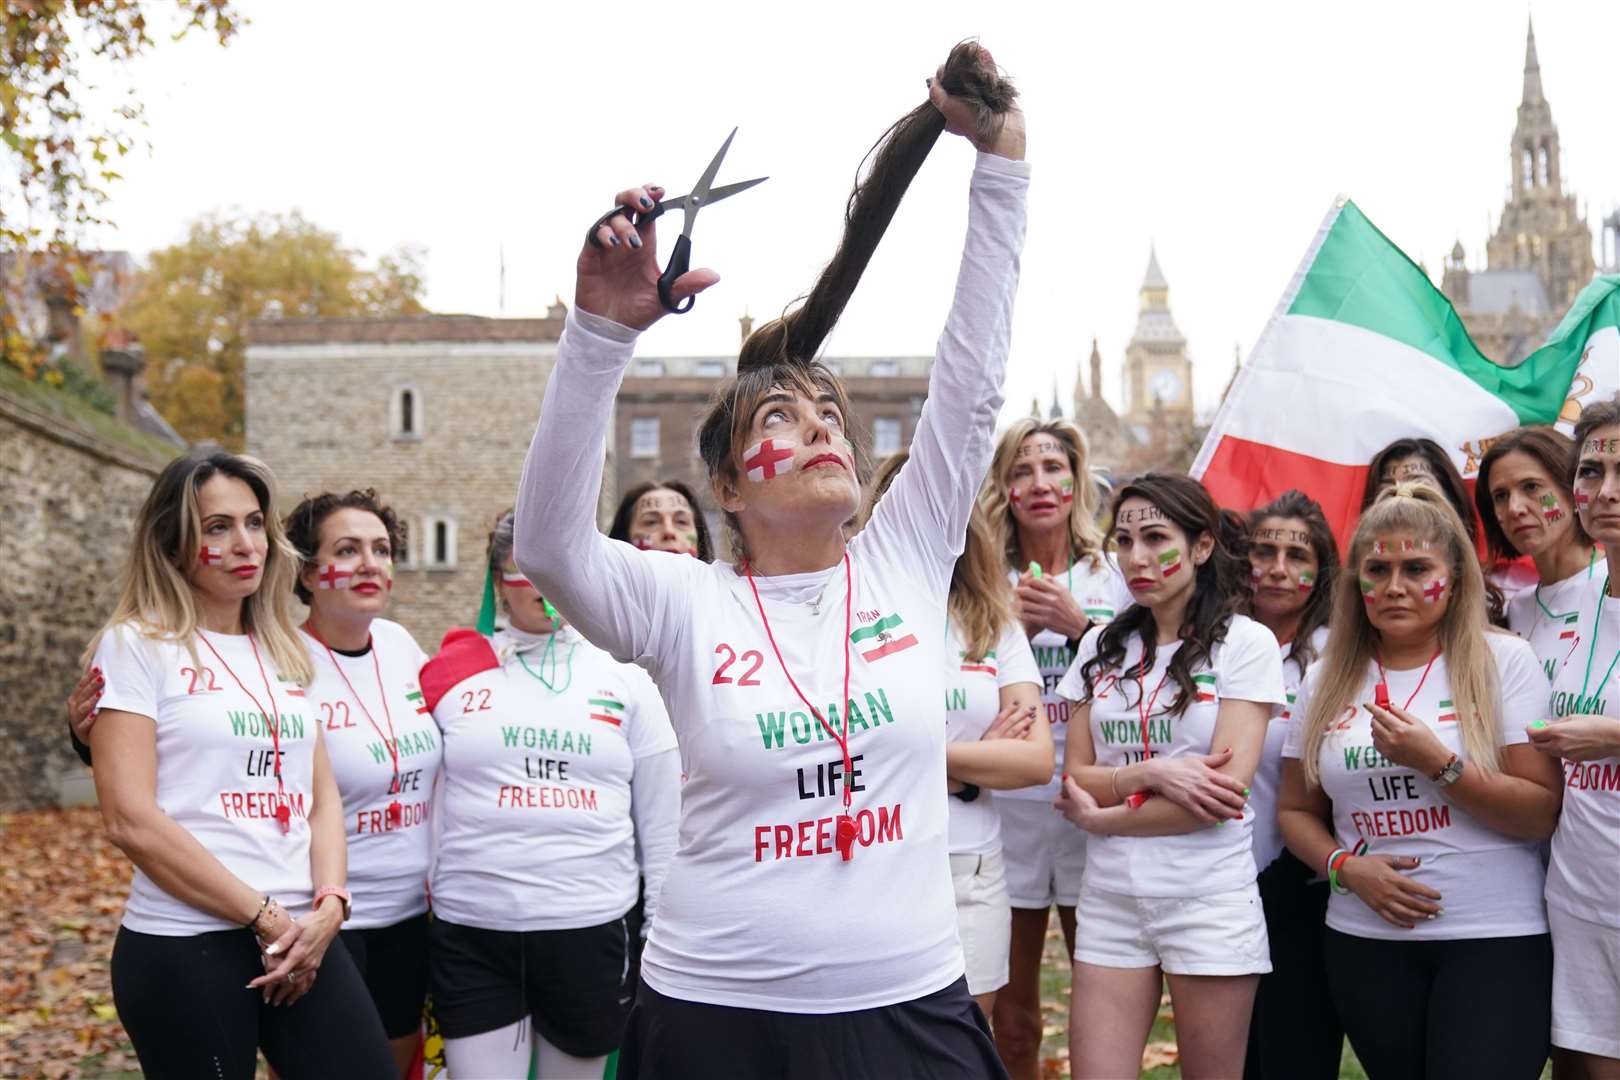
x=271, y=950
x=635, y=240
x=646, y=202
x=1222, y=821
x=1245, y=793
x=614, y=240
x=1539, y=724
x=1065, y=776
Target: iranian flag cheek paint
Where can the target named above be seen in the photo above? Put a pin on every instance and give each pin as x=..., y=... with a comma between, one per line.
x=1169, y=561
x=1307, y=581
x=1367, y=591
x=1066, y=486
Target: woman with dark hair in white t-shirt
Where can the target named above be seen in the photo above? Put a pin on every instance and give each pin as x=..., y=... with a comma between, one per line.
x=1408, y=780
x=213, y=778
x=807, y=924
x=1171, y=700
x=561, y=792
x=1581, y=735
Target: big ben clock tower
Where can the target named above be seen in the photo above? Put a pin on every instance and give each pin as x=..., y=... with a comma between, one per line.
x=1157, y=369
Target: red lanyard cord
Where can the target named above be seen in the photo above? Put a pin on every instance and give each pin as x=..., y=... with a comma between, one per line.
x=846, y=825
x=282, y=813
x=1144, y=708
x=1382, y=680
x=390, y=740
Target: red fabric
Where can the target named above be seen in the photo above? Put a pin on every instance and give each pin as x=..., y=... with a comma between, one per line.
x=462, y=654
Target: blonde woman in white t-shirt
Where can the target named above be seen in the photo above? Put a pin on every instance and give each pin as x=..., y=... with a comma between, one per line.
x=1581, y=736
x=1409, y=781
x=213, y=779
x=997, y=738
x=807, y=925
x=1172, y=701
x=1042, y=503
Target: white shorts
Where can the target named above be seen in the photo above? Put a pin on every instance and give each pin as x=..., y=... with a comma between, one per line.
x=1221, y=934
x=983, y=917
x=1586, y=985
x=1045, y=855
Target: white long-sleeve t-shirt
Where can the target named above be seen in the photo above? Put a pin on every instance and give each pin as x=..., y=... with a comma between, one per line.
x=759, y=909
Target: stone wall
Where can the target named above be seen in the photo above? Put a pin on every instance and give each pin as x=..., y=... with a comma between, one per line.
x=68, y=501
x=324, y=416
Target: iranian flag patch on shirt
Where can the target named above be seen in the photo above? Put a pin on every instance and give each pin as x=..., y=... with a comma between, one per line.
x=883, y=638
x=606, y=708
x=1204, y=683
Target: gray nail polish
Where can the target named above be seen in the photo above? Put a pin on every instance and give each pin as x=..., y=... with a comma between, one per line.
x=646, y=202
x=614, y=240
x=635, y=240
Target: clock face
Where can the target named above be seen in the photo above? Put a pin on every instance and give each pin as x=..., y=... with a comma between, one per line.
x=1166, y=386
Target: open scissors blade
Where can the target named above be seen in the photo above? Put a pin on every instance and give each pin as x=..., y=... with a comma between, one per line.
x=715, y=195
x=700, y=194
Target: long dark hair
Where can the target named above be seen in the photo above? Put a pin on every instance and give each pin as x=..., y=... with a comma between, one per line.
x=1547, y=447
x=1184, y=501
x=623, y=516
x=1319, y=608
x=782, y=352
x=1451, y=485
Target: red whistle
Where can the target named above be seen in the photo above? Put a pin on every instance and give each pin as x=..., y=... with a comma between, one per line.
x=284, y=816
x=845, y=838
x=1381, y=696
x=1136, y=798
x=395, y=812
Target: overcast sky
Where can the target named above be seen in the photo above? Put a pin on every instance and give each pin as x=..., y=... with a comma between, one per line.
x=1219, y=131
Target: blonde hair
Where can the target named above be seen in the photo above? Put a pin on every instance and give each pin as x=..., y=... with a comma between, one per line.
x=980, y=599
x=1352, y=640
x=1085, y=537
x=155, y=592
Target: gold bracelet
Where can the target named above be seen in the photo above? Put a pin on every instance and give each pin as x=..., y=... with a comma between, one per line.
x=254, y=922
x=1113, y=782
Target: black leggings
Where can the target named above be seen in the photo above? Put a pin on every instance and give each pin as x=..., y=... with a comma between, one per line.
x=184, y=1004
x=1475, y=1007
x=1295, y=1032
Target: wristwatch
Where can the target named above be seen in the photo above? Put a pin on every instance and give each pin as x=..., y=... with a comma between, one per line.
x=1450, y=773
x=342, y=894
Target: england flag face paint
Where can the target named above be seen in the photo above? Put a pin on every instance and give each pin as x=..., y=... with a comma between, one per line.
x=210, y=556
x=333, y=576
x=768, y=459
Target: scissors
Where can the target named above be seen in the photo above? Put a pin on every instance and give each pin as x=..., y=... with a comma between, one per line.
x=701, y=195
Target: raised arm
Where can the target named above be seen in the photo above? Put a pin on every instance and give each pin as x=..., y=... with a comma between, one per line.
x=612, y=592
x=927, y=507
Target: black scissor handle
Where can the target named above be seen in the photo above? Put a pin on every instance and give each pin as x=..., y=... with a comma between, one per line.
x=679, y=263
x=635, y=216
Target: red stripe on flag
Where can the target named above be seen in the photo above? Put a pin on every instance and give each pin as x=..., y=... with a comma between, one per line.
x=605, y=718
x=979, y=667
x=892, y=647
x=1243, y=475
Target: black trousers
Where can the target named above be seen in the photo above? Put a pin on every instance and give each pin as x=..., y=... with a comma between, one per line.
x=184, y=1003
x=942, y=1036
x=1468, y=1009
x=393, y=963
x=1295, y=1032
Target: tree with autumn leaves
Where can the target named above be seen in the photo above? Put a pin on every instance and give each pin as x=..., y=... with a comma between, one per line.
x=191, y=305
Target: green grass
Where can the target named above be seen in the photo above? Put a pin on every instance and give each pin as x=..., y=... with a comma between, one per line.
x=75, y=412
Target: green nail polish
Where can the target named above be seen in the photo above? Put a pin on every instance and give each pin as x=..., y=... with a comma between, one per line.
x=1035, y=569
x=1245, y=793
x=1539, y=724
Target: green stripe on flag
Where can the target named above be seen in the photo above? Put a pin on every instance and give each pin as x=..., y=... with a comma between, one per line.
x=1362, y=279
x=888, y=622
x=605, y=703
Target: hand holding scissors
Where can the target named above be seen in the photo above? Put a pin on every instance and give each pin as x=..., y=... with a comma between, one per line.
x=615, y=267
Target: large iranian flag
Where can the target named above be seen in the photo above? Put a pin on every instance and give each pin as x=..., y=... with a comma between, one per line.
x=1363, y=350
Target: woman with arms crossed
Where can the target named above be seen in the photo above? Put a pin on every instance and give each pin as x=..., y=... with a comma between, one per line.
x=1169, y=891
x=1409, y=781
x=214, y=780
x=1043, y=503
x=807, y=924
x=996, y=738
x=1293, y=568
x=1583, y=738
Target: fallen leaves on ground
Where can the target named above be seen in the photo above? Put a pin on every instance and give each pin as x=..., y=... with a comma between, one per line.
x=62, y=887
x=1158, y=1054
